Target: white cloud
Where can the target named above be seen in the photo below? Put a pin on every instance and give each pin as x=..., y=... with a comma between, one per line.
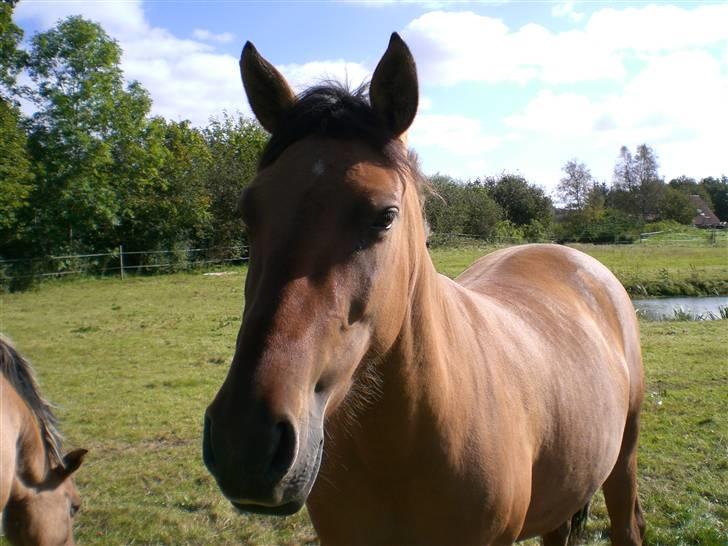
x=458, y=135
x=207, y=36
x=453, y=47
x=677, y=104
x=566, y=9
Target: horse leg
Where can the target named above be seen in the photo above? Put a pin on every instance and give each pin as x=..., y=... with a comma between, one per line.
x=620, y=491
x=559, y=536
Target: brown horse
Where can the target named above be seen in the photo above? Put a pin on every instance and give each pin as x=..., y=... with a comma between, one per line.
x=483, y=410
x=38, y=498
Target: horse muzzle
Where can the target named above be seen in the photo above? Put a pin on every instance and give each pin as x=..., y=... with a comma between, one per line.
x=267, y=468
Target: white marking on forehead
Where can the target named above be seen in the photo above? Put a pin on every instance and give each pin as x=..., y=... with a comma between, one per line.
x=318, y=168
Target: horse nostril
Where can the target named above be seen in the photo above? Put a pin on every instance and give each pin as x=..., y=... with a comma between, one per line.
x=207, y=454
x=285, y=450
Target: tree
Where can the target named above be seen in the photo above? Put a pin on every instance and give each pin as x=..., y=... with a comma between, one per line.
x=82, y=109
x=675, y=205
x=16, y=176
x=235, y=145
x=574, y=188
x=637, y=185
x=521, y=202
x=12, y=59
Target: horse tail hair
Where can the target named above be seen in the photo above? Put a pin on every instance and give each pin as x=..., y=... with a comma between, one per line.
x=578, y=523
x=19, y=373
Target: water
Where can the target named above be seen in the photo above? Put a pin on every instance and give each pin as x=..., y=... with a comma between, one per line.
x=658, y=308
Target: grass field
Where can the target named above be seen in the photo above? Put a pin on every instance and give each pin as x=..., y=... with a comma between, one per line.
x=132, y=365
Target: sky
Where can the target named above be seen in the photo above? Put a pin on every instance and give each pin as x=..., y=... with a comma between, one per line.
x=516, y=86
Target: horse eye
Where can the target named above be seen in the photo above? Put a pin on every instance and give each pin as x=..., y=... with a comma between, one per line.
x=385, y=219
x=74, y=509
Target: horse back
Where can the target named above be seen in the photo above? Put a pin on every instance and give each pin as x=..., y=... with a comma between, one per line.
x=569, y=347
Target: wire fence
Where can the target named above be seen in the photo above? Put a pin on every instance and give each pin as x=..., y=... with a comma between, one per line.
x=119, y=262
x=122, y=262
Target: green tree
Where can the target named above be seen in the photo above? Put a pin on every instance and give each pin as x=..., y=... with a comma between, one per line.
x=675, y=205
x=521, y=202
x=235, y=144
x=165, y=203
x=446, y=208
x=80, y=98
x=574, y=188
x=16, y=176
x=12, y=59
x=637, y=185
x=689, y=186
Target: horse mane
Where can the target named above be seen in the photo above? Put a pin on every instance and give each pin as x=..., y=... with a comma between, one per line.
x=333, y=110
x=19, y=373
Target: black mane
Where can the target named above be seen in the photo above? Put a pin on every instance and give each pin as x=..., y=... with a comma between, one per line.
x=331, y=110
x=20, y=375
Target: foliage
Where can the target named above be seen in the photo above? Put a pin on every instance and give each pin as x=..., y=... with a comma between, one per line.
x=675, y=205
x=717, y=189
x=455, y=207
x=521, y=202
x=689, y=186
x=75, y=67
x=606, y=226
x=12, y=59
x=637, y=185
x=575, y=187
x=507, y=231
x=16, y=176
x=234, y=143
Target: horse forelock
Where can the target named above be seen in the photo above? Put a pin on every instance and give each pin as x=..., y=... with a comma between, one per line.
x=19, y=373
x=332, y=110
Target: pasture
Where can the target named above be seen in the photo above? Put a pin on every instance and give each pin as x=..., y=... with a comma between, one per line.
x=132, y=365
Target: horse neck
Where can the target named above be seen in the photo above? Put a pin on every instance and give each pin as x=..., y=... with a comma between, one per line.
x=417, y=398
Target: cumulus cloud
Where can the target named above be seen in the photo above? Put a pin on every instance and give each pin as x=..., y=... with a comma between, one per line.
x=676, y=103
x=453, y=47
x=207, y=36
x=458, y=135
x=566, y=9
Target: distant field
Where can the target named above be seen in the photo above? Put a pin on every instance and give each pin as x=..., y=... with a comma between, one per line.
x=132, y=365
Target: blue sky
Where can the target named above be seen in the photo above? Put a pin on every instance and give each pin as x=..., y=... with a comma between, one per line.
x=519, y=86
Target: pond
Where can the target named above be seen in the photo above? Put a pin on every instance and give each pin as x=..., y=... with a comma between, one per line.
x=660, y=308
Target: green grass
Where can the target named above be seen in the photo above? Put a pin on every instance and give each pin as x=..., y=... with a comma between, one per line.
x=132, y=365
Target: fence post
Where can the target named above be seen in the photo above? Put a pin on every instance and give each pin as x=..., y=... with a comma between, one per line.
x=121, y=260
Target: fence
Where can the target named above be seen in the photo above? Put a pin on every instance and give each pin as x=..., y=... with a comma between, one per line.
x=120, y=262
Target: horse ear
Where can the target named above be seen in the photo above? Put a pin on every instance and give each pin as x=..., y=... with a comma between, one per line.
x=72, y=461
x=268, y=92
x=394, y=92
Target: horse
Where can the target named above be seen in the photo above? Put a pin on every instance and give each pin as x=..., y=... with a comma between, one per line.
x=400, y=406
x=38, y=498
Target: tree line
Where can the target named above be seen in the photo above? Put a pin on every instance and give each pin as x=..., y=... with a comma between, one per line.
x=91, y=168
